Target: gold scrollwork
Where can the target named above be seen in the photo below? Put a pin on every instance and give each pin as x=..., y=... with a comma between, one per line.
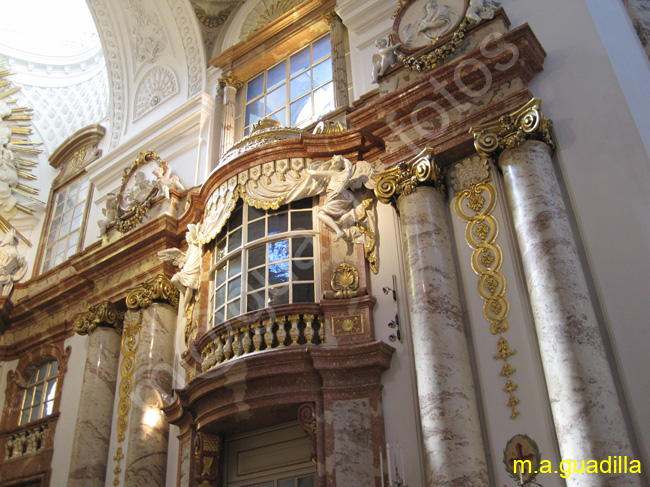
x=160, y=288
x=475, y=205
x=211, y=20
x=406, y=176
x=231, y=80
x=510, y=131
x=104, y=313
x=345, y=281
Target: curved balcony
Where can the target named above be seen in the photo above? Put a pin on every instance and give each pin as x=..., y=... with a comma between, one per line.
x=292, y=325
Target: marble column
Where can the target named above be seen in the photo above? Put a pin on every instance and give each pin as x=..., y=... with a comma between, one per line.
x=451, y=431
x=339, y=69
x=588, y=417
x=93, y=430
x=147, y=436
x=230, y=84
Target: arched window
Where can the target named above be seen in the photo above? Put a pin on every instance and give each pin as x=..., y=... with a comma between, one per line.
x=38, y=400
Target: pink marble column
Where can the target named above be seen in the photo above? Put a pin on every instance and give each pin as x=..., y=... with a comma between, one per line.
x=339, y=70
x=451, y=431
x=93, y=430
x=586, y=410
x=147, y=436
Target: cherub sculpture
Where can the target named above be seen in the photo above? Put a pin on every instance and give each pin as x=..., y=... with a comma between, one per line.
x=140, y=190
x=187, y=280
x=340, y=212
x=480, y=9
x=111, y=212
x=385, y=59
x=12, y=265
x=166, y=180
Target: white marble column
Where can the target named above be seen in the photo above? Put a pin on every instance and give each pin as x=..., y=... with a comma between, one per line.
x=588, y=416
x=147, y=436
x=93, y=430
x=339, y=70
x=451, y=430
x=230, y=85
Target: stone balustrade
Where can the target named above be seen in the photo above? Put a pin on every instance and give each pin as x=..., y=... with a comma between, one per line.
x=27, y=441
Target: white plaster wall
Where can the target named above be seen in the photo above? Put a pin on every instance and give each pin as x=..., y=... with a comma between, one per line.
x=401, y=408
x=69, y=408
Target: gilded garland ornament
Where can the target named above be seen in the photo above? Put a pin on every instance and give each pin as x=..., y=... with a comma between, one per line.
x=474, y=204
x=512, y=130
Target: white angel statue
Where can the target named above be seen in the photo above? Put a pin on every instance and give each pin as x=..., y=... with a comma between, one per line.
x=480, y=9
x=111, y=212
x=166, y=180
x=340, y=210
x=13, y=266
x=187, y=280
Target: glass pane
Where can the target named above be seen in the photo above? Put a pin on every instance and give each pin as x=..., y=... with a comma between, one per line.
x=300, y=110
x=322, y=72
x=278, y=250
x=303, y=293
x=35, y=413
x=256, y=279
x=234, y=240
x=51, y=391
x=220, y=316
x=49, y=406
x=221, y=250
x=84, y=185
x=71, y=251
x=280, y=116
x=220, y=297
x=255, y=301
x=299, y=61
x=52, y=236
x=38, y=394
x=76, y=223
x=321, y=48
x=306, y=481
x=278, y=273
x=301, y=220
x=278, y=223
x=256, y=230
x=42, y=372
x=78, y=211
x=254, y=111
x=256, y=256
x=24, y=418
x=233, y=309
x=287, y=483
x=221, y=275
x=303, y=270
x=255, y=213
x=67, y=218
x=324, y=99
x=235, y=218
x=302, y=204
x=234, y=267
x=234, y=288
x=302, y=247
x=29, y=394
x=276, y=99
x=58, y=210
x=276, y=75
x=278, y=296
x=54, y=369
x=255, y=87
x=300, y=85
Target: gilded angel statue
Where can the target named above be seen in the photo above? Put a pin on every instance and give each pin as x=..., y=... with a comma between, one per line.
x=166, y=180
x=187, y=279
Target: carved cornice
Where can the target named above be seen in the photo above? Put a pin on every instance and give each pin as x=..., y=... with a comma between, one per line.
x=231, y=80
x=160, y=289
x=104, y=314
x=406, y=176
x=512, y=130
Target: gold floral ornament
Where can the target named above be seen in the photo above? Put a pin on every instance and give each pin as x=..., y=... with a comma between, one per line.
x=510, y=131
x=15, y=152
x=345, y=281
x=475, y=201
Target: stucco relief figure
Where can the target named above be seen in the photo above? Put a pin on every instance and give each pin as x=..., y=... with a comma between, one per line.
x=111, y=212
x=140, y=190
x=385, y=59
x=12, y=265
x=480, y=9
x=187, y=280
x=166, y=180
x=341, y=210
x=437, y=21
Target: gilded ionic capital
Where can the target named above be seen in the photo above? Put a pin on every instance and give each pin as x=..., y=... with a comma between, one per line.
x=231, y=80
x=105, y=314
x=332, y=18
x=406, y=176
x=160, y=289
x=510, y=131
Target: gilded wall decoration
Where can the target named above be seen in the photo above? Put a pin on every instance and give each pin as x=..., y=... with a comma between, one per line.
x=103, y=314
x=522, y=448
x=211, y=20
x=475, y=201
x=263, y=14
x=158, y=85
x=345, y=281
x=347, y=325
x=158, y=289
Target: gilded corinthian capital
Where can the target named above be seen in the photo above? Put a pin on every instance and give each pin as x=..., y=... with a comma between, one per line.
x=159, y=289
x=510, y=131
x=406, y=176
x=105, y=314
x=231, y=80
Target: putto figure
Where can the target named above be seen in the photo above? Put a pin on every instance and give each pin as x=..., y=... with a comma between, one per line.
x=13, y=266
x=166, y=180
x=385, y=59
x=111, y=212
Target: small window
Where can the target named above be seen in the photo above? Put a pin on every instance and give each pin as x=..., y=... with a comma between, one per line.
x=38, y=401
x=295, y=92
x=263, y=258
x=64, y=232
